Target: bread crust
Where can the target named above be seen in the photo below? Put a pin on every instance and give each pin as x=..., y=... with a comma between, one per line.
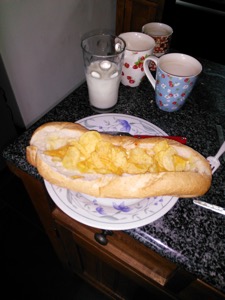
x=181, y=184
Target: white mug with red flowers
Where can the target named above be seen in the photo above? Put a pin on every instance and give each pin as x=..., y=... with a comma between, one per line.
x=162, y=34
x=176, y=75
x=138, y=47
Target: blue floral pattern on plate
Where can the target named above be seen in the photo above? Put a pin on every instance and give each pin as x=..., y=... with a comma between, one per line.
x=113, y=214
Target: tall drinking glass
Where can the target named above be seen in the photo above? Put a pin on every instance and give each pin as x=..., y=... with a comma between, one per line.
x=103, y=56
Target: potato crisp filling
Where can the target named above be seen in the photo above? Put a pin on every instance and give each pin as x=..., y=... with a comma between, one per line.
x=91, y=154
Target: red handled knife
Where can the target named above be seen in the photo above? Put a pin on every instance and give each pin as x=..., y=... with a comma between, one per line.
x=180, y=139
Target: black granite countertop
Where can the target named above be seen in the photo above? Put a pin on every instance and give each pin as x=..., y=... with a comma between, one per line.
x=188, y=235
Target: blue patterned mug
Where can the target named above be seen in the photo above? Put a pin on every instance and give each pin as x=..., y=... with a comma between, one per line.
x=176, y=74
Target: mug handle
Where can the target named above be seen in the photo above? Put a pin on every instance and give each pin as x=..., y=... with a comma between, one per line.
x=147, y=71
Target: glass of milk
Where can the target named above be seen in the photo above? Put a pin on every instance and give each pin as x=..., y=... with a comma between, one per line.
x=103, y=56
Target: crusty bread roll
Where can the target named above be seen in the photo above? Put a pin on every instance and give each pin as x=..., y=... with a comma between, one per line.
x=173, y=168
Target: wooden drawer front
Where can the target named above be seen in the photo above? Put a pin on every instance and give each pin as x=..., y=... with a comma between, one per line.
x=124, y=267
x=122, y=251
x=112, y=270
x=90, y=267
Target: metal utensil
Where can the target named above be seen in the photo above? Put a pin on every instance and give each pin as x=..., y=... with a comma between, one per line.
x=214, y=163
x=209, y=206
x=214, y=160
x=180, y=139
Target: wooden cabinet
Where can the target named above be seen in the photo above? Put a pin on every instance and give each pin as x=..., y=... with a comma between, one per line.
x=114, y=267
x=121, y=267
x=124, y=267
x=131, y=15
x=117, y=268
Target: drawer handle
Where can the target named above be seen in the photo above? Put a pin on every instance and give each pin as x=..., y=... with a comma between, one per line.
x=101, y=237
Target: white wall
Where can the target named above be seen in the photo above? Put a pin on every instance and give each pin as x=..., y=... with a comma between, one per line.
x=40, y=48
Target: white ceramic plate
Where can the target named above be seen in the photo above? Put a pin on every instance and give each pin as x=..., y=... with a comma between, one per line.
x=113, y=214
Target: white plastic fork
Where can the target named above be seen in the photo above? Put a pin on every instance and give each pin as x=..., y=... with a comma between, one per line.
x=214, y=160
x=214, y=163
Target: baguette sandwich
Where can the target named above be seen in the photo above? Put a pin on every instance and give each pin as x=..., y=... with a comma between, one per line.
x=101, y=165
